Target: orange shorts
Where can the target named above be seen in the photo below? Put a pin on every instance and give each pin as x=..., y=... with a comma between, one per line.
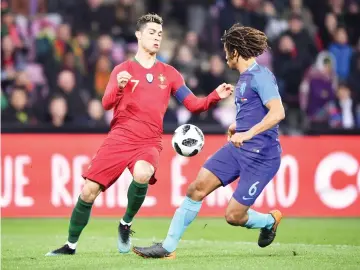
x=112, y=158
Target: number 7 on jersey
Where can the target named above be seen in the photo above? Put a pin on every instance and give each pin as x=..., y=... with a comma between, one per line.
x=135, y=82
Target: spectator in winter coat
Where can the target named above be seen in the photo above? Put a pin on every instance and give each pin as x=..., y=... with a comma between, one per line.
x=354, y=78
x=344, y=112
x=12, y=60
x=342, y=52
x=18, y=112
x=318, y=89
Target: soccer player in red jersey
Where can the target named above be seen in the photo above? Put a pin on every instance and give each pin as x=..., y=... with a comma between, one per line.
x=139, y=92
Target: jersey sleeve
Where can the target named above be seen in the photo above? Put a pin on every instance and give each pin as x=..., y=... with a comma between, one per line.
x=267, y=88
x=112, y=92
x=185, y=96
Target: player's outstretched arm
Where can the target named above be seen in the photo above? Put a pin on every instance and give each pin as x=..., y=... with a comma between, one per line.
x=194, y=104
x=198, y=105
x=113, y=92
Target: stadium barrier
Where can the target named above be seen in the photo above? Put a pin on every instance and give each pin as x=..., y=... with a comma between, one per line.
x=41, y=177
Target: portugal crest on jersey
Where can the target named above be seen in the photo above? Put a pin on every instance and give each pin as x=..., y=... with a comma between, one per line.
x=149, y=77
x=162, y=80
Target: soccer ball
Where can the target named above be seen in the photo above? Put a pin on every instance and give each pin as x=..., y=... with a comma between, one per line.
x=188, y=140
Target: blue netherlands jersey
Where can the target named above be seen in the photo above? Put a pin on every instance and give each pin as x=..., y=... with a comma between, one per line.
x=256, y=87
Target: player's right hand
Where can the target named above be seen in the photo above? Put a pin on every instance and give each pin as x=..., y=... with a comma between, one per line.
x=224, y=90
x=231, y=130
x=123, y=78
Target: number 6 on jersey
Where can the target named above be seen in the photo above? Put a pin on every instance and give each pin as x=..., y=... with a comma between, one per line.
x=253, y=188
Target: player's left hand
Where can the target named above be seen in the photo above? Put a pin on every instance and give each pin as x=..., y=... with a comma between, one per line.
x=224, y=90
x=239, y=138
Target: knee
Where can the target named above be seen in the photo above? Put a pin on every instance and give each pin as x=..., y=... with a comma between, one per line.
x=90, y=191
x=143, y=171
x=196, y=191
x=235, y=218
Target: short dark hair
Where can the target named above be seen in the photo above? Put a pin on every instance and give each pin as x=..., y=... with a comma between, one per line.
x=246, y=41
x=18, y=89
x=340, y=28
x=148, y=18
x=295, y=16
x=343, y=84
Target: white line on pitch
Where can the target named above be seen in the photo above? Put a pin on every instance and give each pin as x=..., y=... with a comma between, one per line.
x=199, y=241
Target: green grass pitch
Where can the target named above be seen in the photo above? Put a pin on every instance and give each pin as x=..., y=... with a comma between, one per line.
x=207, y=244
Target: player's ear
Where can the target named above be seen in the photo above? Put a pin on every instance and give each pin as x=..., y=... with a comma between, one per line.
x=138, y=34
x=235, y=54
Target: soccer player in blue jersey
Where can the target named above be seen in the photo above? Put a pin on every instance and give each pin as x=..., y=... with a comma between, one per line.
x=252, y=153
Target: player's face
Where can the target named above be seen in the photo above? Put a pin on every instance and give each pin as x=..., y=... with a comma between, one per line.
x=230, y=61
x=150, y=37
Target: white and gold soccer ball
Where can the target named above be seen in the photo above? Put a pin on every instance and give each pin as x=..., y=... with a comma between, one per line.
x=188, y=140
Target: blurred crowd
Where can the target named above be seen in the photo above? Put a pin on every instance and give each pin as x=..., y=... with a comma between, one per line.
x=57, y=56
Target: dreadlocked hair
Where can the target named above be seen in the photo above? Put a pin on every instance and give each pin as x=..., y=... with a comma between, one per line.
x=248, y=42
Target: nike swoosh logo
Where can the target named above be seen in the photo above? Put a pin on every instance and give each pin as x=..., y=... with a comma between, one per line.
x=245, y=198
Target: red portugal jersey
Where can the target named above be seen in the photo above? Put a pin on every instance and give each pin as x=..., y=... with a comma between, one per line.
x=139, y=108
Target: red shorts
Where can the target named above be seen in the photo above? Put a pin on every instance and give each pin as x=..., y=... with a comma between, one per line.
x=112, y=158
